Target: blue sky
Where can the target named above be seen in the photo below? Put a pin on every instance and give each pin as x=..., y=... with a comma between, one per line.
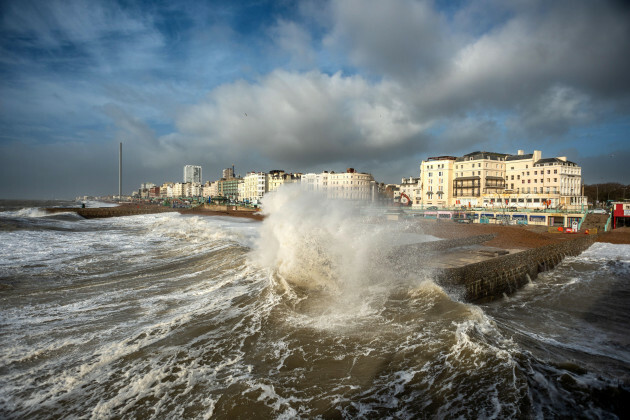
x=303, y=86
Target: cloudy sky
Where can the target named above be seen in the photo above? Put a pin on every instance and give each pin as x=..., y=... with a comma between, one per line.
x=303, y=86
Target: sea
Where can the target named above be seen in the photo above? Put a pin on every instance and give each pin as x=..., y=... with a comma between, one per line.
x=303, y=315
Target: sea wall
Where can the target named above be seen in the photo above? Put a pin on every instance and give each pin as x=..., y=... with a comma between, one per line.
x=102, y=212
x=491, y=279
x=225, y=208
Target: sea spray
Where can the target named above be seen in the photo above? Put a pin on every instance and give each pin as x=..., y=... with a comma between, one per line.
x=313, y=242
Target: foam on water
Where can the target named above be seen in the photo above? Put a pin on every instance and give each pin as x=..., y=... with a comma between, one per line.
x=170, y=316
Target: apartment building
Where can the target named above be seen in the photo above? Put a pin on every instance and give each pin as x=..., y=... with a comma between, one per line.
x=275, y=179
x=532, y=181
x=478, y=175
x=315, y=182
x=192, y=173
x=253, y=188
x=436, y=178
x=411, y=188
x=229, y=187
x=564, y=177
x=488, y=179
x=228, y=173
x=350, y=185
x=210, y=189
x=166, y=189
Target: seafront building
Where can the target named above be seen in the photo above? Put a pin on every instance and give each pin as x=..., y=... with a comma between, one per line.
x=278, y=177
x=228, y=187
x=436, y=179
x=478, y=180
x=228, y=173
x=350, y=185
x=210, y=189
x=478, y=175
x=499, y=180
x=253, y=188
x=409, y=187
x=192, y=173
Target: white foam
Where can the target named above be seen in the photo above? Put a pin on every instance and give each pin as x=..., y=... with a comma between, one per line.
x=606, y=251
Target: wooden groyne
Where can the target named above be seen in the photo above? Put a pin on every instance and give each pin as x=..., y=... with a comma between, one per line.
x=491, y=279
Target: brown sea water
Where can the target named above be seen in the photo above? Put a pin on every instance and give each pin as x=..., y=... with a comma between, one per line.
x=171, y=316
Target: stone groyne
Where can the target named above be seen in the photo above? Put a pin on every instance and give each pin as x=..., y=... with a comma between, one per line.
x=133, y=210
x=102, y=212
x=224, y=210
x=491, y=279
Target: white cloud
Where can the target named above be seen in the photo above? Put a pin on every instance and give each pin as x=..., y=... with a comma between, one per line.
x=301, y=117
x=295, y=41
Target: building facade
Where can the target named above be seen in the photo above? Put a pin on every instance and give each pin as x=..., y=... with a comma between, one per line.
x=254, y=187
x=436, y=178
x=229, y=188
x=411, y=188
x=489, y=180
x=228, y=173
x=478, y=175
x=350, y=185
x=192, y=173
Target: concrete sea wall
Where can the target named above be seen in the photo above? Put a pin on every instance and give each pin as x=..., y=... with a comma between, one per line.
x=491, y=279
x=102, y=212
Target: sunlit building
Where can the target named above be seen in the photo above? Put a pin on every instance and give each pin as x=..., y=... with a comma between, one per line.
x=192, y=173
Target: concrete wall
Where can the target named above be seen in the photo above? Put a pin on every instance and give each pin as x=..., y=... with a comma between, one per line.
x=102, y=212
x=488, y=280
x=216, y=207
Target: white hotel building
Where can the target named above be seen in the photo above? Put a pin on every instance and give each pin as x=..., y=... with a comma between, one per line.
x=486, y=179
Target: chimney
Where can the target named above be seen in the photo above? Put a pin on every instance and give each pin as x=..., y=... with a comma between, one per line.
x=563, y=158
x=520, y=153
x=537, y=155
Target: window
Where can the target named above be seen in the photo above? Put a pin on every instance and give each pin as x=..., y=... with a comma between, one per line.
x=555, y=180
x=529, y=181
x=555, y=171
x=527, y=173
x=535, y=172
x=518, y=177
x=512, y=178
x=535, y=181
x=548, y=171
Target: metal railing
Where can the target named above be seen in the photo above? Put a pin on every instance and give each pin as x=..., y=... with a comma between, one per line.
x=608, y=222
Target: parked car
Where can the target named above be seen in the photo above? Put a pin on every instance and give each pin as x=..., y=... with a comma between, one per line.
x=432, y=208
x=599, y=211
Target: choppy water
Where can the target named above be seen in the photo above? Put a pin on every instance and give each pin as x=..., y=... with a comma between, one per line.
x=171, y=316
